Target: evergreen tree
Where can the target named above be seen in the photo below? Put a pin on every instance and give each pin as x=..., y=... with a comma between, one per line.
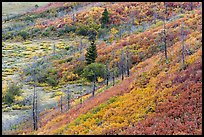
x=105, y=18
x=91, y=53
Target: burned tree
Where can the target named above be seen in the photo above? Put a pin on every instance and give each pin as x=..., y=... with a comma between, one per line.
x=80, y=46
x=34, y=77
x=54, y=49
x=81, y=101
x=182, y=41
x=107, y=74
x=68, y=99
x=113, y=68
x=164, y=20
x=121, y=64
x=94, y=85
x=154, y=12
x=61, y=103
x=73, y=13
x=127, y=64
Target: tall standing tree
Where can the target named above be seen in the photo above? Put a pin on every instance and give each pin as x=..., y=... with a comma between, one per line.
x=121, y=64
x=154, y=12
x=91, y=53
x=182, y=40
x=68, y=98
x=164, y=20
x=33, y=72
x=127, y=63
x=105, y=18
x=94, y=85
x=113, y=68
x=61, y=103
x=107, y=74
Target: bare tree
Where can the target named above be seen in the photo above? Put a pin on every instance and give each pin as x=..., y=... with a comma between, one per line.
x=155, y=12
x=191, y=5
x=113, y=69
x=81, y=94
x=33, y=76
x=121, y=64
x=127, y=64
x=182, y=40
x=107, y=74
x=94, y=85
x=81, y=101
x=68, y=98
x=81, y=46
x=61, y=103
x=73, y=13
x=34, y=117
x=165, y=44
x=54, y=49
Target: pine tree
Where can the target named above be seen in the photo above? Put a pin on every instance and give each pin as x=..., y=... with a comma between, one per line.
x=91, y=54
x=105, y=18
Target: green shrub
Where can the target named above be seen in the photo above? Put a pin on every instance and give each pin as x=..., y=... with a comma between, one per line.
x=7, y=109
x=52, y=81
x=68, y=29
x=12, y=91
x=24, y=34
x=97, y=68
x=16, y=107
x=67, y=47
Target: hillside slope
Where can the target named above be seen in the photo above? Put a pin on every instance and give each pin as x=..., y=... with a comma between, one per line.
x=159, y=97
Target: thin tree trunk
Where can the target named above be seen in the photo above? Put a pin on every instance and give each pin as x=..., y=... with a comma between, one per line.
x=183, y=48
x=127, y=63
x=68, y=99
x=182, y=40
x=61, y=103
x=113, y=78
x=122, y=73
x=191, y=5
x=34, y=109
x=107, y=75
x=154, y=15
x=81, y=100
x=94, y=86
x=54, y=49
x=165, y=44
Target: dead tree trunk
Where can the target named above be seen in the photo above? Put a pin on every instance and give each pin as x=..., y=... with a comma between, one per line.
x=122, y=64
x=35, y=104
x=68, y=99
x=94, y=85
x=155, y=14
x=113, y=76
x=34, y=121
x=165, y=44
x=191, y=5
x=81, y=94
x=113, y=68
x=128, y=68
x=81, y=101
x=183, y=48
x=81, y=46
x=54, y=49
x=122, y=72
x=36, y=109
x=61, y=103
x=73, y=14
x=107, y=75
